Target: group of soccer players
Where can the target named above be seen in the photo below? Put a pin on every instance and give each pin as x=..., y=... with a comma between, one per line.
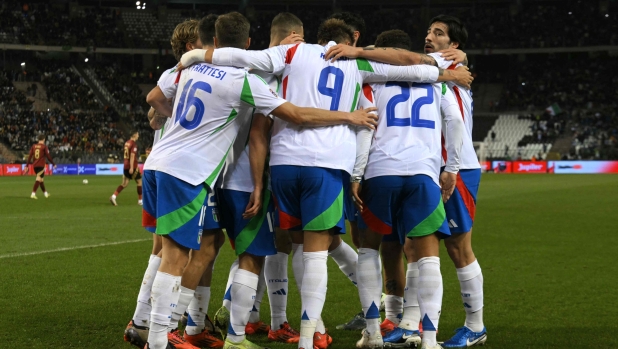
x=386, y=146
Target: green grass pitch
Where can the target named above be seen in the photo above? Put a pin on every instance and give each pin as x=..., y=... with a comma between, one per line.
x=548, y=246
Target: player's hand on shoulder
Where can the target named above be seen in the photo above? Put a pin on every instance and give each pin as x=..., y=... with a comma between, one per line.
x=463, y=76
x=292, y=39
x=364, y=117
x=341, y=50
x=453, y=54
x=448, y=181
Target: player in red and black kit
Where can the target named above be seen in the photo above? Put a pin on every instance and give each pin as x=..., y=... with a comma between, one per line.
x=38, y=154
x=131, y=170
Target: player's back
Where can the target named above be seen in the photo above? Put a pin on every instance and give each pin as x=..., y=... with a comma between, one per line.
x=310, y=81
x=408, y=137
x=208, y=103
x=39, y=152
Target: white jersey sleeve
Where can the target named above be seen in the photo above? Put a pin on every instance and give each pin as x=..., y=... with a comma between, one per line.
x=453, y=130
x=271, y=60
x=469, y=160
x=167, y=82
x=363, y=134
x=380, y=72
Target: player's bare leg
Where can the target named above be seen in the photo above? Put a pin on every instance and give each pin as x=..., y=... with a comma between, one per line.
x=430, y=289
x=199, y=261
x=298, y=265
x=394, y=283
x=166, y=291
x=139, y=190
x=136, y=332
x=459, y=247
x=37, y=183
x=313, y=288
x=369, y=273
x=199, y=330
x=125, y=182
x=276, y=275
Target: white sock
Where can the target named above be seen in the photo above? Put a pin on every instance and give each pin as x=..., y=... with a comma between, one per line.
x=257, y=303
x=243, y=293
x=370, y=286
x=165, y=294
x=227, y=300
x=471, y=283
x=393, y=307
x=298, y=265
x=320, y=327
x=313, y=295
x=430, y=297
x=186, y=295
x=198, y=308
x=411, y=310
x=141, y=317
x=346, y=258
x=276, y=274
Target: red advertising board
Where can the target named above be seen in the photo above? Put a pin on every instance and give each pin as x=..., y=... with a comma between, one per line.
x=529, y=167
x=486, y=166
x=12, y=169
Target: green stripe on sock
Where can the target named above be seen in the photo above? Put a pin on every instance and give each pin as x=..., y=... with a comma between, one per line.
x=356, y=93
x=248, y=234
x=176, y=219
x=431, y=224
x=364, y=65
x=328, y=218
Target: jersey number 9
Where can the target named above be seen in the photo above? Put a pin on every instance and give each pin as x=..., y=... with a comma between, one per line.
x=191, y=101
x=333, y=92
x=415, y=119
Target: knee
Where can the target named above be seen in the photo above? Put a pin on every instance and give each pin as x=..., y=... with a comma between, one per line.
x=460, y=251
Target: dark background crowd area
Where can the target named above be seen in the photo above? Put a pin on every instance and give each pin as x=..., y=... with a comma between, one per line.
x=532, y=24
x=582, y=86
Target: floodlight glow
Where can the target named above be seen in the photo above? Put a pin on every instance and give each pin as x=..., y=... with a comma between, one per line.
x=86, y=60
x=139, y=7
x=137, y=3
x=23, y=64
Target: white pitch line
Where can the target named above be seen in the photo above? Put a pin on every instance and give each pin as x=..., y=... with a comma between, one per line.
x=10, y=255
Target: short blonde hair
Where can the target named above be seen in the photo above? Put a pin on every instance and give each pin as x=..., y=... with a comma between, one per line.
x=184, y=33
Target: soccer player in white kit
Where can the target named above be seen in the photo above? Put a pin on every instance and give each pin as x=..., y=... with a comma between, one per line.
x=239, y=187
x=184, y=38
x=309, y=167
x=209, y=104
x=448, y=33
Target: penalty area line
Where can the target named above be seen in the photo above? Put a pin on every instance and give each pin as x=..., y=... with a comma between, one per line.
x=62, y=249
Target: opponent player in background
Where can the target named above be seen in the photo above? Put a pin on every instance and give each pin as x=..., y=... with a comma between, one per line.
x=447, y=33
x=316, y=162
x=131, y=169
x=39, y=153
x=203, y=136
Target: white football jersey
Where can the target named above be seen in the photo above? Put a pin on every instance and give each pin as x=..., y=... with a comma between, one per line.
x=469, y=160
x=167, y=83
x=210, y=105
x=236, y=173
x=310, y=81
x=407, y=140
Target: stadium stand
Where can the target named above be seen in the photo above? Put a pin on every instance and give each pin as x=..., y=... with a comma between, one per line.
x=511, y=99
